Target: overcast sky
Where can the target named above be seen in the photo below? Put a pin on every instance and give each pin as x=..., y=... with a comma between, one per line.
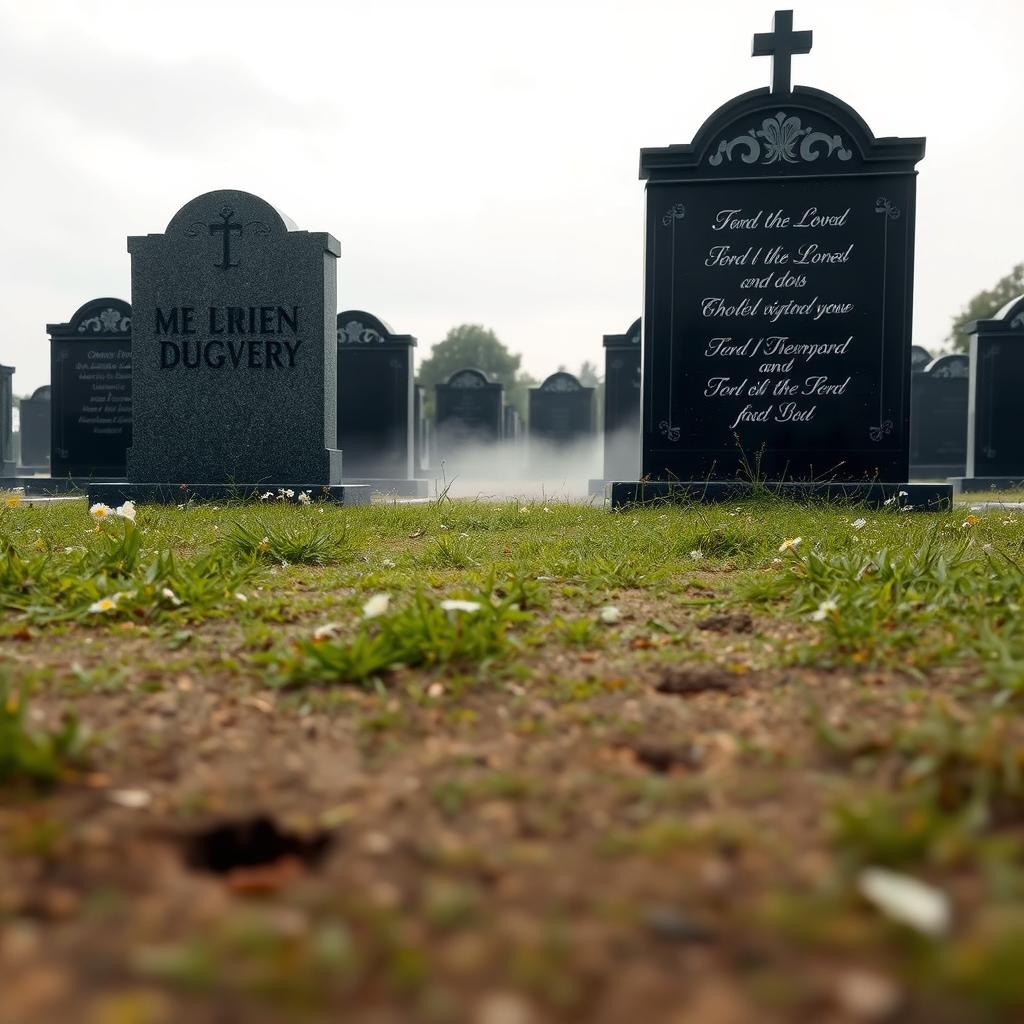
x=477, y=160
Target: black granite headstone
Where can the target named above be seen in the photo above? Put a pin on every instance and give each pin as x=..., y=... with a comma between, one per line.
x=7, y=461
x=561, y=412
x=778, y=298
x=91, y=374
x=34, y=416
x=920, y=357
x=995, y=423
x=622, y=404
x=938, y=418
x=234, y=357
x=375, y=403
x=468, y=412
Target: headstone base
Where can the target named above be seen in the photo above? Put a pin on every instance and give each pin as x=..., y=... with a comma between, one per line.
x=936, y=471
x=919, y=497
x=397, y=487
x=596, y=486
x=965, y=484
x=114, y=494
x=44, y=485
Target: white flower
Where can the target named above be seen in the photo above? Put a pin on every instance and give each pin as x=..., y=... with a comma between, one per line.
x=99, y=511
x=460, y=606
x=126, y=511
x=523, y=510
x=824, y=610
x=859, y=524
x=376, y=605
x=265, y=496
x=790, y=543
x=696, y=554
x=239, y=596
x=387, y=563
x=903, y=494
x=889, y=501
x=326, y=631
x=609, y=615
x=546, y=509
x=304, y=498
x=906, y=900
x=104, y=604
x=171, y=596
x=289, y=493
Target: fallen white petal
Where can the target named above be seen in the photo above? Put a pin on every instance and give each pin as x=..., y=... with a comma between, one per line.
x=460, y=606
x=907, y=900
x=609, y=614
x=134, y=799
x=376, y=605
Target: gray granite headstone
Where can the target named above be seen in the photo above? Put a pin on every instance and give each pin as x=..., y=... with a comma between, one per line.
x=234, y=365
x=6, y=420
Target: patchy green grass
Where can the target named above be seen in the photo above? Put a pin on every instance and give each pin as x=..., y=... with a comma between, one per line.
x=557, y=751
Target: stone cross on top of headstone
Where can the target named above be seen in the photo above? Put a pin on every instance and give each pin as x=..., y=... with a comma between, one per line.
x=781, y=44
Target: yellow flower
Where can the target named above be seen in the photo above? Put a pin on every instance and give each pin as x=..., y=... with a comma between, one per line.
x=12, y=500
x=790, y=543
x=971, y=520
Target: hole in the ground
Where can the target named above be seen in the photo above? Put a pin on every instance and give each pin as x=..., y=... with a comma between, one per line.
x=250, y=843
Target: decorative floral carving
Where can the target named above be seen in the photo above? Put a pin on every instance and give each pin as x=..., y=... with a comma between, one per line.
x=884, y=429
x=677, y=212
x=107, y=320
x=666, y=428
x=781, y=138
x=466, y=379
x=883, y=205
x=356, y=333
x=561, y=382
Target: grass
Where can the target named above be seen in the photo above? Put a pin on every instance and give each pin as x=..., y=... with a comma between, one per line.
x=469, y=695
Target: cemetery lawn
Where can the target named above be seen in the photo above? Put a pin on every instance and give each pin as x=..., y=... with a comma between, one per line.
x=757, y=762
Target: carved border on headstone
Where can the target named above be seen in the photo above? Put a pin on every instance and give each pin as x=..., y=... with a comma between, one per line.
x=889, y=212
x=355, y=332
x=781, y=135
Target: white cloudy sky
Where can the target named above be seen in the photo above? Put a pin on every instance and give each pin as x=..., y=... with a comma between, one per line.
x=476, y=158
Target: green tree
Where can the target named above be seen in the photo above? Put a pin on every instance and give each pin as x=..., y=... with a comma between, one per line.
x=984, y=304
x=469, y=345
x=476, y=346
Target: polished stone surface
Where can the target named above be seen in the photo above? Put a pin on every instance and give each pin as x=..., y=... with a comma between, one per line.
x=234, y=353
x=91, y=376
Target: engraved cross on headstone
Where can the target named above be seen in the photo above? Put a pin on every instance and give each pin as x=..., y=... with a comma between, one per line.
x=780, y=44
x=227, y=229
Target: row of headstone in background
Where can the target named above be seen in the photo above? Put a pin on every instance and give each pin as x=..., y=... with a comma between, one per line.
x=7, y=462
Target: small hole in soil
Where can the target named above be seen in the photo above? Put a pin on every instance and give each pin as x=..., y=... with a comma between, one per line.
x=250, y=843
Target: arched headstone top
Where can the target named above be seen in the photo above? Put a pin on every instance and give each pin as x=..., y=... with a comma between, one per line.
x=230, y=207
x=468, y=378
x=227, y=224
x=98, y=318
x=1013, y=313
x=41, y=394
x=1009, y=318
x=955, y=365
x=561, y=381
x=630, y=338
x=358, y=328
x=920, y=357
x=782, y=130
